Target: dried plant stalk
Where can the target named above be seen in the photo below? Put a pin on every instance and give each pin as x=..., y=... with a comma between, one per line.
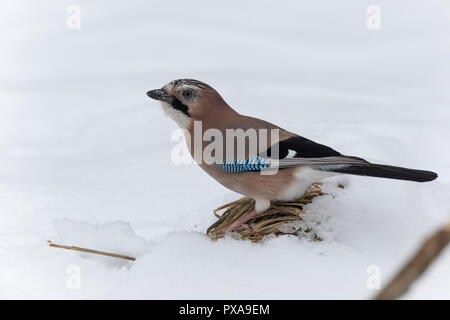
x=103, y=253
x=266, y=223
x=414, y=268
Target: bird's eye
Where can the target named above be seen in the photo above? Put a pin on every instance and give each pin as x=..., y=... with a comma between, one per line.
x=188, y=93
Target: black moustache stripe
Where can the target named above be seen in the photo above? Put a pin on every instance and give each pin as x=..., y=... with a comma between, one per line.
x=178, y=105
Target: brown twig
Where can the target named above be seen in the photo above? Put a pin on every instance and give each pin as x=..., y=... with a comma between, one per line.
x=103, y=253
x=428, y=252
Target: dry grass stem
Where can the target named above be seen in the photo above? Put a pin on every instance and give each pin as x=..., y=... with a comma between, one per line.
x=414, y=268
x=103, y=253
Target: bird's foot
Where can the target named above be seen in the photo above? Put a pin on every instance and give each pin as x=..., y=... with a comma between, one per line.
x=241, y=222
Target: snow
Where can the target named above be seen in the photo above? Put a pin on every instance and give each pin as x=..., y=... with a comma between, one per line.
x=85, y=155
x=117, y=237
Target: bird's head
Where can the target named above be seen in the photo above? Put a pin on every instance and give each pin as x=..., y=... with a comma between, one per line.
x=186, y=100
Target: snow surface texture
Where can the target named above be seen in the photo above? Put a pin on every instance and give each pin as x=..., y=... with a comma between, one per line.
x=85, y=154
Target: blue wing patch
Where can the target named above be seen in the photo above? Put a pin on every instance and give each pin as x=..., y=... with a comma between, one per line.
x=254, y=164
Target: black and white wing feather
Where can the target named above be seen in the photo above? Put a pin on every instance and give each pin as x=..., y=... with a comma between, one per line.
x=299, y=151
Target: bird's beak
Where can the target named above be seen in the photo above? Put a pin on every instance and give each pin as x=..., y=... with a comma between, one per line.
x=158, y=94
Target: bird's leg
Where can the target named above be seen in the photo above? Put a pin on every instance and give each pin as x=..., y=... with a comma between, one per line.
x=261, y=205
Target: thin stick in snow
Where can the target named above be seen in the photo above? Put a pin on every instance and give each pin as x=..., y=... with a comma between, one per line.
x=103, y=253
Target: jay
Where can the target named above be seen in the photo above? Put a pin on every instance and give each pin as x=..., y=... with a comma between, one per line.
x=283, y=165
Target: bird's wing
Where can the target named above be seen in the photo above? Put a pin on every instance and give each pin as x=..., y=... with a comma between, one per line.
x=292, y=151
x=308, y=153
x=289, y=150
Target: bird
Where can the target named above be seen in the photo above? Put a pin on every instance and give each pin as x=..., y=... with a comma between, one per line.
x=296, y=162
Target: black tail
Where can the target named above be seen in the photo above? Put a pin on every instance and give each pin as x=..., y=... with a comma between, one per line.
x=390, y=172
